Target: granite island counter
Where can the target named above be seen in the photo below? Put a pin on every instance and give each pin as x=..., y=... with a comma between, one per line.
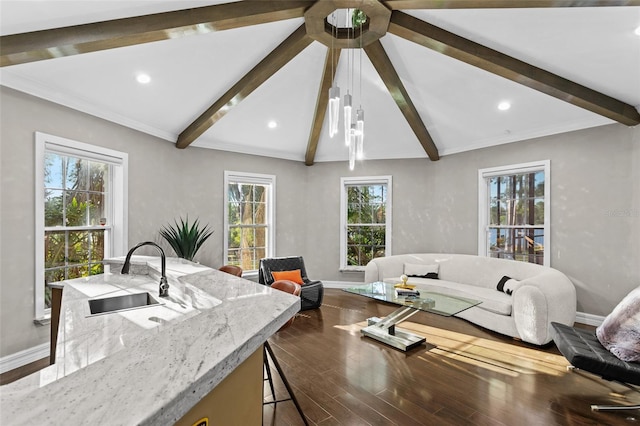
x=154, y=364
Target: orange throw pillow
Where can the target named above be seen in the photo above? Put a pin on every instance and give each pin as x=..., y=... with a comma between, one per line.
x=294, y=276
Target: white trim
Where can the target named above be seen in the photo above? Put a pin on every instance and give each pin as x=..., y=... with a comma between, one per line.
x=589, y=319
x=24, y=357
x=79, y=149
x=116, y=243
x=62, y=97
x=565, y=127
x=483, y=201
x=533, y=166
x=364, y=180
x=39, y=310
x=259, y=179
x=341, y=284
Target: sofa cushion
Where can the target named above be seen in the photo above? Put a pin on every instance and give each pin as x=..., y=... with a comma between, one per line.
x=492, y=301
x=483, y=271
x=421, y=270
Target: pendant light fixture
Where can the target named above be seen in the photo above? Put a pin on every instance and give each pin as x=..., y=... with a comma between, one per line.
x=334, y=91
x=353, y=129
x=347, y=118
x=334, y=110
x=352, y=149
x=360, y=112
x=347, y=98
x=359, y=130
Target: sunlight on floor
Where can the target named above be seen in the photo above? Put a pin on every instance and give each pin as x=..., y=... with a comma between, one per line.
x=455, y=348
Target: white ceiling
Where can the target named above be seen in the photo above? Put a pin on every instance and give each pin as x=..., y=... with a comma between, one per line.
x=595, y=47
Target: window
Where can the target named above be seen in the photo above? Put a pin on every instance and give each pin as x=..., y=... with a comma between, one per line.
x=249, y=219
x=514, y=212
x=365, y=229
x=80, y=211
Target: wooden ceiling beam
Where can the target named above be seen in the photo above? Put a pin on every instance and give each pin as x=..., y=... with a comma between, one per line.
x=387, y=72
x=502, y=4
x=58, y=42
x=470, y=52
x=281, y=55
x=328, y=75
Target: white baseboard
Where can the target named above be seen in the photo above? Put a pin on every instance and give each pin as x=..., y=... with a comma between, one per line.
x=341, y=284
x=27, y=356
x=589, y=319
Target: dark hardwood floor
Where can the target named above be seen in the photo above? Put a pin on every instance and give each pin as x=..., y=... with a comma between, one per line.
x=465, y=375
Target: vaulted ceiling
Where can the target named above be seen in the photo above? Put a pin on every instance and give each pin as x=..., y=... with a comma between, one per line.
x=432, y=72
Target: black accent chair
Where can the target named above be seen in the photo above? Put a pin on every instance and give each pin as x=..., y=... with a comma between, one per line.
x=312, y=291
x=583, y=350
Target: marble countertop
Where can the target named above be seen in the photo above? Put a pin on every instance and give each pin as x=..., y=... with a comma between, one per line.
x=151, y=365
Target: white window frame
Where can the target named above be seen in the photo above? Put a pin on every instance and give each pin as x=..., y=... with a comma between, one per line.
x=116, y=238
x=484, y=202
x=258, y=179
x=364, y=180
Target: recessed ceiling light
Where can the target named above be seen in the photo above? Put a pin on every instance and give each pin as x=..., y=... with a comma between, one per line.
x=143, y=78
x=272, y=124
x=504, y=105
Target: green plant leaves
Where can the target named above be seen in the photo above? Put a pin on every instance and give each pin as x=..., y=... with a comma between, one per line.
x=186, y=239
x=358, y=18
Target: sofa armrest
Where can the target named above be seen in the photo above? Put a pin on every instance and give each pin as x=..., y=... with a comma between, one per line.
x=371, y=273
x=540, y=300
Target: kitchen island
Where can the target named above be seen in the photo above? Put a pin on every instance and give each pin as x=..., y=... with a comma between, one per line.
x=154, y=364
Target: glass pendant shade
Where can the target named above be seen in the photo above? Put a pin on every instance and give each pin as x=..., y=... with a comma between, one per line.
x=347, y=119
x=352, y=147
x=334, y=110
x=359, y=131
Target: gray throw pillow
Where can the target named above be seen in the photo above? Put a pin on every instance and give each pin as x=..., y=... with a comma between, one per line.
x=620, y=330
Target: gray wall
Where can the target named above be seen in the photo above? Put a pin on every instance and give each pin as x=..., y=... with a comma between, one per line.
x=595, y=177
x=164, y=183
x=595, y=218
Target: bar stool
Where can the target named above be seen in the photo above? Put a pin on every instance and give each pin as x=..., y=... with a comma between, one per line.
x=231, y=269
x=293, y=288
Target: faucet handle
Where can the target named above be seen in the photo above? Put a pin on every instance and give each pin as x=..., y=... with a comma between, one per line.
x=164, y=287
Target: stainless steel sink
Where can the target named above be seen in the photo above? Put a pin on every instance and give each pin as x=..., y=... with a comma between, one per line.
x=122, y=303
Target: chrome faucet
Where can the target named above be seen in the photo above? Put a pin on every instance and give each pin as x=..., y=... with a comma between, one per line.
x=164, y=285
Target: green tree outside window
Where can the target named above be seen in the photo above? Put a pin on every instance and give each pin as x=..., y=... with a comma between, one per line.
x=75, y=194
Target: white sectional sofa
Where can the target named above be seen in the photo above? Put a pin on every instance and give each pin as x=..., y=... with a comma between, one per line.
x=539, y=295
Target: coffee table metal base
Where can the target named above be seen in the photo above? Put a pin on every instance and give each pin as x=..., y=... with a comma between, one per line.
x=385, y=330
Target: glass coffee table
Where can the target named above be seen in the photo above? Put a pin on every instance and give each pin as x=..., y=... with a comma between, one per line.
x=385, y=329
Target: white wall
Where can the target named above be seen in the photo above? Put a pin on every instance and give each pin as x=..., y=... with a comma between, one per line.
x=594, y=172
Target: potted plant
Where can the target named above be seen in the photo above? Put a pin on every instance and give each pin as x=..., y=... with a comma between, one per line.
x=186, y=239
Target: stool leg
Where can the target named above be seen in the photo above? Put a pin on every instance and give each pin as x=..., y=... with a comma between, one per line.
x=286, y=382
x=614, y=407
x=268, y=368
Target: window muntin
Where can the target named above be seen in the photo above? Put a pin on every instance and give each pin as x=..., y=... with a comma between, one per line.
x=514, y=212
x=80, y=211
x=366, y=221
x=248, y=219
